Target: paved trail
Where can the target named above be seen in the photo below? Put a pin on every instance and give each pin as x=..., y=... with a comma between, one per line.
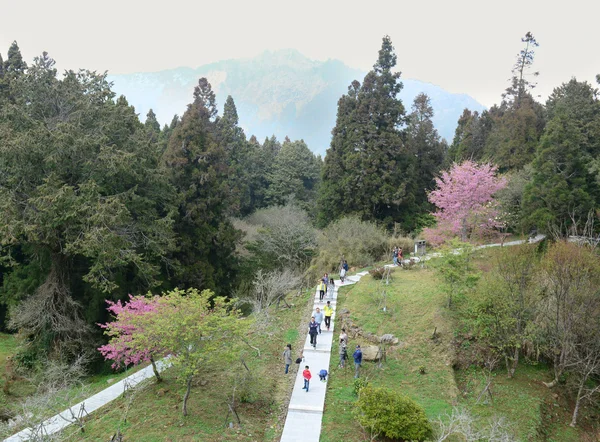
x=305, y=411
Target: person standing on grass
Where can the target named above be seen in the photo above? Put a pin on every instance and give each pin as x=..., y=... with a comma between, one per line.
x=318, y=315
x=343, y=337
x=313, y=331
x=357, y=361
x=328, y=311
x=287, y=357
x=306, y=375
x=343, y=354
x=322, y=288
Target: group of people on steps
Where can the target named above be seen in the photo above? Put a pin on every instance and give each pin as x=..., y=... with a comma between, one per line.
x=326, y=287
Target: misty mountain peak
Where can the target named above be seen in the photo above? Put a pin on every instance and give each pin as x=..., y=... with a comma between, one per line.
x=279, y=92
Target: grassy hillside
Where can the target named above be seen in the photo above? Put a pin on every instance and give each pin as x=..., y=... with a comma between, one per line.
x=414, y=309
x=415, y=306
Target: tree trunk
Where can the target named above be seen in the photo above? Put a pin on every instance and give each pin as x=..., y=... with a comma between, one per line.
x=515, y=362
x=155, y=370
x=577, y=402
x=187, y=394
x=508, y=367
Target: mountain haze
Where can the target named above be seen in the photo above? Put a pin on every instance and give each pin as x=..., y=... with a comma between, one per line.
x=280, y=92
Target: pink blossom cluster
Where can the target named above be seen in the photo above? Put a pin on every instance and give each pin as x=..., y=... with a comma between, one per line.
x=465, y=201
x=121, y=348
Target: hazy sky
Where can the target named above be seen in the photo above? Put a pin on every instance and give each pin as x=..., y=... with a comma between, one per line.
x=463, y=46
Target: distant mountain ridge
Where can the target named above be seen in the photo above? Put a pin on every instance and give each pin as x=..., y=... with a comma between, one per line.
x=280, y=92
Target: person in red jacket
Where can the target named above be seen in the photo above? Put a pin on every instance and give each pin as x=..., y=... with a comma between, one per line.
x=306, y=374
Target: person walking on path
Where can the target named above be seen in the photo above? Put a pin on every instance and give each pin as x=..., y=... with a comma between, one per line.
x=306, y=375
x=318, y=315
x=326, y=281
x=322, y=288
x=331, y=289
x=395, y=255
x=343, y=354
x=357, y=361
x=287, y=357
x=313, y=331
x=328, y=311
x=342, y=275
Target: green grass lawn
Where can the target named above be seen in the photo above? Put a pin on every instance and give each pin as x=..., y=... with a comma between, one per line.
x=155, y=414
x=414, y=308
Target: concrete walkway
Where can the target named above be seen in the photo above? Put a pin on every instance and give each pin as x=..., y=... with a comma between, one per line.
x=305, y=411
x=61, y=421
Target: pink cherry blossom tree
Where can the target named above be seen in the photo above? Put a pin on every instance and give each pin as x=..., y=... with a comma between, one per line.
x=125, y=346
x=465, y=201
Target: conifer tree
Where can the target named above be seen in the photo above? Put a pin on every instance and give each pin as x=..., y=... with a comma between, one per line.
x=233, y=139
x=368, y=169
x=423, y=141
x=197, y=165
x=14, y=65
x=564, y=186
x=295, y=173
x=517, y=128
x=152, y=123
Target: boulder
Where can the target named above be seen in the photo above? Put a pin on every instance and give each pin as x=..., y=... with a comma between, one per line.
x=371, y=353
x=388, y=339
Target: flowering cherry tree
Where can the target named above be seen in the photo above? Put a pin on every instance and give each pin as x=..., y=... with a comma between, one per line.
x=465, y=201
x=125, y=346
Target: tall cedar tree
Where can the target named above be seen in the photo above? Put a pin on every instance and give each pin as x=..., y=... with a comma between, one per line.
x=368, y=170
x=424, y=143
x=84, y=212
x=517, y=128
x=197, y=166
x=295, y=173
x=233, y=139
x=564, y=184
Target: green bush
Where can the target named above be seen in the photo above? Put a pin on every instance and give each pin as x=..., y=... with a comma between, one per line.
x=359, y=384
x=392, y=415
x=361, y=243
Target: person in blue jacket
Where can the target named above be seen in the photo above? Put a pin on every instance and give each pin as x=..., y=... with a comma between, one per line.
x=357, y=361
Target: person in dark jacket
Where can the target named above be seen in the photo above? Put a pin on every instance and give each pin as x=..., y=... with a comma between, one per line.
x=357, y=361
x=313, y=331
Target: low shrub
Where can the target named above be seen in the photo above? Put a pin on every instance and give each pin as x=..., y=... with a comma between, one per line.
x=380, y=272
x=390, y=414
x=359, y=384
x=361, y=243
